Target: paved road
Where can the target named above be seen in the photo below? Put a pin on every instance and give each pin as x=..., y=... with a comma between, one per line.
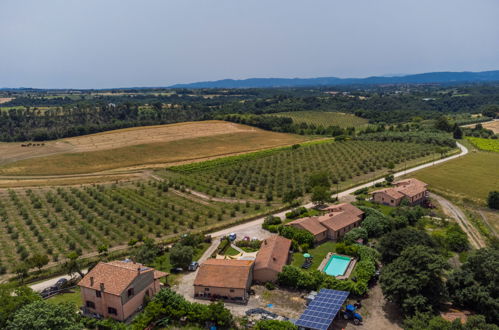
x=259, y=221
x=253, y=228
x=455, y=212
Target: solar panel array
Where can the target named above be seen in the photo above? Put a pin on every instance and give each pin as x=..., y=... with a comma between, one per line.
x=321, y=311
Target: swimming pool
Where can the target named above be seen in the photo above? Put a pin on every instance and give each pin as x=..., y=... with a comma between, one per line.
x=337, y=265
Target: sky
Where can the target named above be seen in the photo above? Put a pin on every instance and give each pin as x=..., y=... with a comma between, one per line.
x=123, y=43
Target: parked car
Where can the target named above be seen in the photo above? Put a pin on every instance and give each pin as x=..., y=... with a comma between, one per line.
x=193, y=266
x=232, y=236
x=61, y=283
x=176, y=270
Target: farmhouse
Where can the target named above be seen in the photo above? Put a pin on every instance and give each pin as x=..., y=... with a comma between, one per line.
x=224, y=279
x=271, y=258
x=413, y=190
x=338, y=220
x=117, y=289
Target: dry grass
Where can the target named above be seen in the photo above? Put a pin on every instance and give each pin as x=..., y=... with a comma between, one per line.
x=174, y=144
x=492, y=125
x=5, y=99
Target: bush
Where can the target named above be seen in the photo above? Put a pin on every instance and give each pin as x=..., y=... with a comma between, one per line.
x=353, y=235
x=493, y=200
x=299, y=235
x=270, y=286
x=271, y=221
x=296, y=213
x=274, y=325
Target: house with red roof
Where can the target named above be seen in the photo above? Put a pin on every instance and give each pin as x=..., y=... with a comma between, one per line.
x=117, y=289
x=271, y=258
x=413, y=190
x=338, y=220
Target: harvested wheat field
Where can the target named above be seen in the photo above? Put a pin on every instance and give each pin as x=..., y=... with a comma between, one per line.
x=5, y=99
x=492, y=125
x=135, y=147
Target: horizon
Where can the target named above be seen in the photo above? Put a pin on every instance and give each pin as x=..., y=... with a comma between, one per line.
x=114, y=44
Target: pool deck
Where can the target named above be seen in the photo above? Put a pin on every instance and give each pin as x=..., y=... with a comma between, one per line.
x=349, y=269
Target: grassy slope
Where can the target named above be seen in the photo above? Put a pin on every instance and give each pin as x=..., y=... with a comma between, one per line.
x=153, y=153
x=324, y=118
x=471, y=176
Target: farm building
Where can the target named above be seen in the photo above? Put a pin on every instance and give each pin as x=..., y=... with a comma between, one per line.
x=338, y=220
x=413, y=190
x=271, y=258
x=224, y=279
x=117, y=289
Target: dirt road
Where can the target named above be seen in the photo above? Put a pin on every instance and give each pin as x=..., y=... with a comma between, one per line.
x=455, y=212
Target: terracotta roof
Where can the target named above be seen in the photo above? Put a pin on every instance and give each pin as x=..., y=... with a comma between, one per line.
x=159, y=274
x=224, y=273
x=115, y=275
x=408, y=187
x=338, y=217
x=273, y=253
x=310, y=224
x=342, y=216
x=391, y=192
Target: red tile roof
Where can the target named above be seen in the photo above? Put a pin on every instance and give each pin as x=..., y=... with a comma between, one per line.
x=310, y=224
x=273, y=253
x=339, y=216
x=408, y=187
x=116, y=276
x=224, y=273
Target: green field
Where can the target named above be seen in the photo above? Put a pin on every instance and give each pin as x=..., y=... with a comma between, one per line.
x=325, y=119
x=55, y=221
x=270, y=174
x=318, y=253
x=472, y=176
x=485, y=144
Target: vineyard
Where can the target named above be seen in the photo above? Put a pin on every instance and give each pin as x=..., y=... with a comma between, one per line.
x=485, y=144
x=269, y=175
x=324, y=119
x=57, y=221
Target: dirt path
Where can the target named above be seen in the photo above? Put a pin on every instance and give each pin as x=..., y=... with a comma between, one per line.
x=455, y=212
x=377, y=313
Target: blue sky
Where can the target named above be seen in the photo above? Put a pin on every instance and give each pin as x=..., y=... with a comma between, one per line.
x=122, y=43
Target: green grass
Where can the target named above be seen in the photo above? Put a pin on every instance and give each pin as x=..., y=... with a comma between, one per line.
x=270, y=174
x=469, y=177
x=73, y=297
x=318, y=253
x=485, y=144
x=323, y=118
x=385, y=209
x=231, y=251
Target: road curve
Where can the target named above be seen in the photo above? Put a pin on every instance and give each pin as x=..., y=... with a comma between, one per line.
x=344, y=193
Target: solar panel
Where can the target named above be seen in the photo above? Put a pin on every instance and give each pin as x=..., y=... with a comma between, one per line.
x=321, y=311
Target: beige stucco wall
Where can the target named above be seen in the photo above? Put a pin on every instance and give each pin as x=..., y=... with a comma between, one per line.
x=102, y=303
x=383, y=198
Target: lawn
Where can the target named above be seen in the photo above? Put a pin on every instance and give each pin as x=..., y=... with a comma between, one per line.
x=318, y=253
x=231, y=251
x=471, y=177
x=485, y=144
x=73, y=297
x=324, y=118
x=385, y=209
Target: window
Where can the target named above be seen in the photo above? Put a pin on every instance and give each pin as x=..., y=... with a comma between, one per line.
x=130, y=292
x=392, y=201
x=90, y=304
x=206, y=289
x=231, y=290
x=98, y=294
x=112, y=310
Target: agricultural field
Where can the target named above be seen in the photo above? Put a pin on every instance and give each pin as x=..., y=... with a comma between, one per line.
x=138, y=146
x=469, y=177
x=485, y=144
x=55, y=221
x=272, y=173
x=325, y=119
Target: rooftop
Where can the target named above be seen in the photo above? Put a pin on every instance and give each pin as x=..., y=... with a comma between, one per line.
x=224, y=273
x=273, y=253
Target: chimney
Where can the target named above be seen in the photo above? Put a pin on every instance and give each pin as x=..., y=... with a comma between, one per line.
x=102, y=287
x=91, y=281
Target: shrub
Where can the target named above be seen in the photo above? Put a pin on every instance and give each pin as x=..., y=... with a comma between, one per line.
x=355, y=234
x=493, y=200
x=270, y=286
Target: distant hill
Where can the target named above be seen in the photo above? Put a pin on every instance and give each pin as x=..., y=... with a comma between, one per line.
x=422, y=78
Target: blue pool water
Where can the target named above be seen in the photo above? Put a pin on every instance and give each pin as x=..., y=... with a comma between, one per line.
x=337, y=265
